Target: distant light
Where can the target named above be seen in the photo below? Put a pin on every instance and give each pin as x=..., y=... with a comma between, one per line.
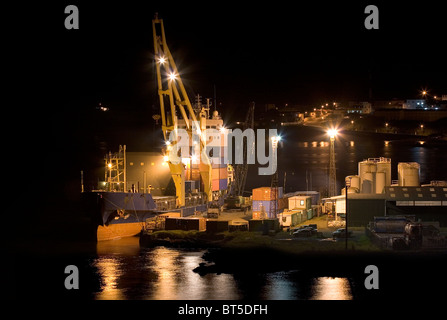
x=194, y=158
x=223, y=130
x=421, y=142
x=168, y=143
x=161, y=60
x=424, y=92
x=165, y=158
x=109, y=165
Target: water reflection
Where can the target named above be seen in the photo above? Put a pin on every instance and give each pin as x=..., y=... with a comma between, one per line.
x=129, y=272
x=109, y=270
x=328, y=288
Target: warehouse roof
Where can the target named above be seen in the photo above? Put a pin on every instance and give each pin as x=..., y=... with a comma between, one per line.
x=426, y=193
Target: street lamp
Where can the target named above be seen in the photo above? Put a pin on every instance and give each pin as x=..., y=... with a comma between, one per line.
x=332, y=176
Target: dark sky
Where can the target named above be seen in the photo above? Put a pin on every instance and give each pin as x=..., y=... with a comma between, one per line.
x=274, y=52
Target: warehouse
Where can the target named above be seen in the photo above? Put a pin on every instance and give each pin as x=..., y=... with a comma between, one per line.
x=427, y=203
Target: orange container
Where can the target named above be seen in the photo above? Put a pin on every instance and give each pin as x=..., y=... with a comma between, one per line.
x=264, y=193
x=259, y=215
x=219, y=173
x=215, y=185
x=223, y=172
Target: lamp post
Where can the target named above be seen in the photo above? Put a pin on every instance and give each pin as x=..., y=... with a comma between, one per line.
x=332, y=175
x=348, y=184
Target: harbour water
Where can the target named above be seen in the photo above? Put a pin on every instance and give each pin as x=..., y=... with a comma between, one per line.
x=128, y=272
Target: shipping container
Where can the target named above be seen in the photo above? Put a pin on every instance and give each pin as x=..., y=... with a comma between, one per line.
x=288, y=219
x=309, y=214
x=219, y=173
x=216, y=225
x=186, y=224
x=267, y=193
x=263, y=225
x=300, y=202
x=259, y=205
x=259, y=215
x=223, y=184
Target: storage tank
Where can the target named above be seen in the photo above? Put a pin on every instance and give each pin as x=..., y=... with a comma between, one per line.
x=365, y=166
x=408, y=174
x=380, y=181
x=385, y=166
x=367, y=183
x=355, y=181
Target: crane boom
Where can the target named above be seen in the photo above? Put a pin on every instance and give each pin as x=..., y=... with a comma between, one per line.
x=172, y=90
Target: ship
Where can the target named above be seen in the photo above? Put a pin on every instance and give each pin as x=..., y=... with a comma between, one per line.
x=139, y=187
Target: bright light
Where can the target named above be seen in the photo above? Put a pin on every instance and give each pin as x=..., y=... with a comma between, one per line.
x=223, y=130
x=332, y=133
x=168, y=143
x=161, y=60
x=172, y=76
x=276, y=139
x=424, y=92
x=193, y=158
x=165, y=158
x=109, y=165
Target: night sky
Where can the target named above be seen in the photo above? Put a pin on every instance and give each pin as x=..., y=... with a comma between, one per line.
x=302, y=53
x=279, y=53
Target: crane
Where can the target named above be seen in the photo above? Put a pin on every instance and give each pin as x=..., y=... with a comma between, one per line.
x=240, y=170
x=172, y=92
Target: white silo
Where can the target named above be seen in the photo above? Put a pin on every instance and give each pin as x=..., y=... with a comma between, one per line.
x=380, y=181
x=367, y=183
x=365, y=166
x=384, y=165
x=408, y=174
x=353, y=181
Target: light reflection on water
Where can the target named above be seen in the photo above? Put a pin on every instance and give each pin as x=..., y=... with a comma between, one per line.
x=127, y=272
x=328, y=288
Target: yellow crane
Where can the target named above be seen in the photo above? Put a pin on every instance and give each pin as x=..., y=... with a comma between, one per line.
x=172, y=91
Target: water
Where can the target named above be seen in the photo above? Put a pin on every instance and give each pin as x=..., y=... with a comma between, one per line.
x=128, y=272
x=303, y=158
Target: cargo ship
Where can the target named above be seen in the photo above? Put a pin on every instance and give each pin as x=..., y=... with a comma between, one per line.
x=138, y=187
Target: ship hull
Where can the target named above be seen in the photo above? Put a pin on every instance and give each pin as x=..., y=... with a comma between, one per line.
x=124, y=214
x=117, y=231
